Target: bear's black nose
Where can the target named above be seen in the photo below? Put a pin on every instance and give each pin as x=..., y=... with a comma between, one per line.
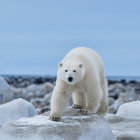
x=70, y=79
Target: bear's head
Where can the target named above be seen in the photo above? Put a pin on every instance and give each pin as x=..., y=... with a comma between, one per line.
x=71, y=73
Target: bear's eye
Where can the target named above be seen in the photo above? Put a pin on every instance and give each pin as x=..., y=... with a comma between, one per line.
x=66, y=70
x=74, y=70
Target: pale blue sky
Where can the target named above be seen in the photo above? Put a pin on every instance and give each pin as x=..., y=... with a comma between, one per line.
x=36, y=34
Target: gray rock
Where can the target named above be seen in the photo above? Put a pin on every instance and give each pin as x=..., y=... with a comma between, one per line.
x=40, y=90
x=73, y=126
x=38, y=95
x=6, y=94
x=123, y=98
x=116, y=89
x=111, y=101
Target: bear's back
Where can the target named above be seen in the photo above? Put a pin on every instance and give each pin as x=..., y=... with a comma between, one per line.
x=88, y=53
x=87, y=56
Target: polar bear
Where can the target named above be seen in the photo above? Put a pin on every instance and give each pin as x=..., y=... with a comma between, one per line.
x=80, y=73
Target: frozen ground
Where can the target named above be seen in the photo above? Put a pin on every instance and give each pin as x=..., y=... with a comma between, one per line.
x=73, y=126
x=76, y=126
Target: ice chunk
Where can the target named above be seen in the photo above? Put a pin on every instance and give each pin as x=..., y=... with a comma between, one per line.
x=16, y=109
x=130, y=110
x=73, y=126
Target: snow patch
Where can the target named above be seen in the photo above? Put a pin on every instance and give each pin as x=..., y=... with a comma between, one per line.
x=34, y=137
x=37, y=121
x=130, y=110
x=15, y=110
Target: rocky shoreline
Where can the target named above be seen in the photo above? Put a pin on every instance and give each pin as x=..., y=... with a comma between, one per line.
x=38, y=90
x=24, y=81
x=20, y=81
x=27, y=96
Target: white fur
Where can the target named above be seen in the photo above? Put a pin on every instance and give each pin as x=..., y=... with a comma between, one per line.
x=89, y=86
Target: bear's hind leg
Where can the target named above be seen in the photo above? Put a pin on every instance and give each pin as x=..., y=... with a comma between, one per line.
x=79, y=100
x=103, y=108
x=93, y=99
x=104, y=103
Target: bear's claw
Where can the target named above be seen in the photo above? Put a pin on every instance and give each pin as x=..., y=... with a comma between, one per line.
x=77, y=106
x=54, y=117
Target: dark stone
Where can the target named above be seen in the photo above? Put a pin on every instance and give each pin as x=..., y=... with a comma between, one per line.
x=111, y=82
x=115, y=96
x=45, y=109
x=123, y=81
x=38, y=80
x=137, y=90
x=132, y=82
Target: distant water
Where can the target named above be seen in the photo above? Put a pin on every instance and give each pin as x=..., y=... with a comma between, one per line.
x=127, y=78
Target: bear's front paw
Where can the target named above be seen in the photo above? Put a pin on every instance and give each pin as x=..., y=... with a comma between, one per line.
x=55, y=117
x=77, y=106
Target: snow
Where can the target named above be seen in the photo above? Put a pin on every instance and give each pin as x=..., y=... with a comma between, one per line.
x=16, y=109
x=100, y=132
x=130, y=110
x=34, y=137
x=124, y=128
x=37, y=121
x=72, y=126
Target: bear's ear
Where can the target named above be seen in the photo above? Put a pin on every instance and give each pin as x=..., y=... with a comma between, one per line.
x=81, y=65
x=60, y=64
